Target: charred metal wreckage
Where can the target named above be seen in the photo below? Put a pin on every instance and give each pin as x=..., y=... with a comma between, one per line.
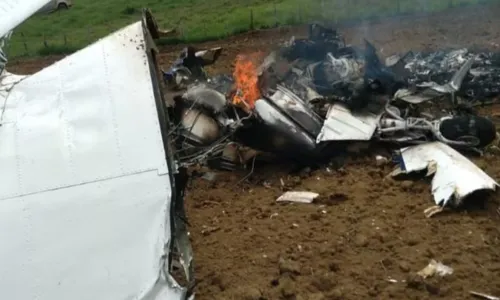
x=310, y=96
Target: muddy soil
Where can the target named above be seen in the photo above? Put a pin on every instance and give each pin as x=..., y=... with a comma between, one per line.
x=367, y=235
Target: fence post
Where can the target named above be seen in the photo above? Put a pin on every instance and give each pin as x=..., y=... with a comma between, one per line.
x=45, y=41
x=299, y=14
x=350, y=10
x=88, y=35
x=25, y=44
x=251, y=20
x=323, y=10
x=275, y=16
x=182, y=32
x=228, y=32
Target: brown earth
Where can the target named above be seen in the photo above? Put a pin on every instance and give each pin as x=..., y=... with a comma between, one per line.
x=366, y=229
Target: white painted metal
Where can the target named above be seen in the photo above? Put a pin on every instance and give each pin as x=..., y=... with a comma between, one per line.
x=7, y=82
x=298, y=197
x=272, y=116
x=455, y=177
x=14, y=12
x=342, y=125
x=85, y=193
x=292, y=106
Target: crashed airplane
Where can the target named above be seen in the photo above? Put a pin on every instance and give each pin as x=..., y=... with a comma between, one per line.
x=94, y=154
x=302, y=101
x=315, y=91
x=91, y=204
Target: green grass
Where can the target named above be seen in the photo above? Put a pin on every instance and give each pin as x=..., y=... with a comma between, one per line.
x=198, y=20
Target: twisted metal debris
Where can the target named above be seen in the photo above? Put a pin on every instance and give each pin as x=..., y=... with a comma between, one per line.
x=3, y=55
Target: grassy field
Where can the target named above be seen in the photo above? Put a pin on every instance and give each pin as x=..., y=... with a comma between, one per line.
x=198, y=20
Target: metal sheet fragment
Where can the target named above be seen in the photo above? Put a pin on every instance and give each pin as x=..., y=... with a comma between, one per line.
x=455, y=177
x=435, y=268
x=298, y=197
x=341, y=125
x=484, y=296
x=81, y=130
x=433, y=90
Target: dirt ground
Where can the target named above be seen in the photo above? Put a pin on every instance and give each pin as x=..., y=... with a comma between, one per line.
x=368, y=235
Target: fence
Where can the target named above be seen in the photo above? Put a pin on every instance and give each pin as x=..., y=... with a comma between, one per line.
x=224, y=23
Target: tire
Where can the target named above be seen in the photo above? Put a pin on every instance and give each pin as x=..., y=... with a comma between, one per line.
x=461, y=127
x=62, y=6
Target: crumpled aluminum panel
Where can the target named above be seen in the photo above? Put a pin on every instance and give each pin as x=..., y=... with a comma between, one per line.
x=343, y=125
x=433, y=90
x=205, y=96
x=291, y=105
x=455, y=177
x=85, y=193
x=290, y=132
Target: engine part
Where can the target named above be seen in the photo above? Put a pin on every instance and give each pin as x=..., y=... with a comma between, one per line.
x=285, y=135
x=295, y=108
x=201, y=95
x=198, y=127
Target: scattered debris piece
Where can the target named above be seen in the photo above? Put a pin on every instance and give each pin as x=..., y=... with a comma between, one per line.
x=404, y=266
x=435, y=209
x=456, y=64
x=207, y=230
x=455, y=177
x=209, y=176
x=298, y=197
x=434, y=267
x=341, y=124
x=434, y=90
x=381, y=160
x=484, y=296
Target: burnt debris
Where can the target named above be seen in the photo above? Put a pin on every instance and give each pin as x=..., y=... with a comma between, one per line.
x=480, y=84
x=318, y=91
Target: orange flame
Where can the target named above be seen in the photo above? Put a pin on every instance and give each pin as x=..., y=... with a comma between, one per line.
x=246, y=80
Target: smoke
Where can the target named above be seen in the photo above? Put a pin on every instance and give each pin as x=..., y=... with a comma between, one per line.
x=424, y=4
x=372, y=12
x=363, y=31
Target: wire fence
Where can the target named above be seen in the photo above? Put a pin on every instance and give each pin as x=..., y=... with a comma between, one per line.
x=248, y=18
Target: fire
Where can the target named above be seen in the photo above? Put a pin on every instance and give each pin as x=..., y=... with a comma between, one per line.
x=246, y=80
